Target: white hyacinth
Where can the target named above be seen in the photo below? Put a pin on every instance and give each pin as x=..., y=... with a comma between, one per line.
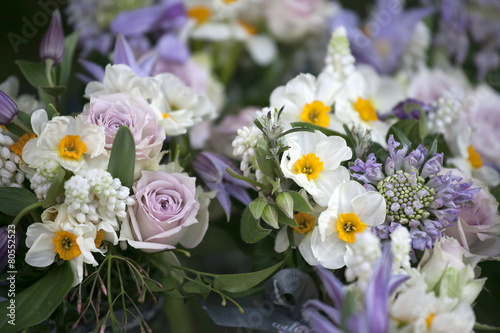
x=244, y=145
x=400, y=248
x=361, y=257
x=415, y=54
x=43, y=178
x=448, y=108
x=339, y=59
x=93, y=195
x=10, y=174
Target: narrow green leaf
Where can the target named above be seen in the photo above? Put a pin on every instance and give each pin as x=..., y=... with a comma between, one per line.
x=33, y=72
x=51, y=111
x=36, y=303
x=264, y=187
x=250, y=229
x=122, y=160
x=70, y=42
x=401, y=137
x=406, y=128
x=350, y=138
x=235, y=283
x=484, y=327
x=297, y=129
x=15, y=129
x=13, y=200
x=53, y=91
x=55, y=190
x=266, y=166
x=197, y=287
x=422, y=125
x=299, y=203
x=25, y=119
x=324, y=130
x=349, y=307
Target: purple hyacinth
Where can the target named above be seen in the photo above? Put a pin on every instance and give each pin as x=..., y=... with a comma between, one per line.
x=370, y=317
x=407, y=109
x=52, y=45
x=388, y=33
x=211, y=168
x=417, y=194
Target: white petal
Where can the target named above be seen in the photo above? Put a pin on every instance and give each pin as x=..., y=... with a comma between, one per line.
x=330, y=252
x=262, y=49
x=343, y=195
x=39, y=120
x=305, y=248
x=281, y=244
x=327, y=182
x=42, y=252
x=370, y=208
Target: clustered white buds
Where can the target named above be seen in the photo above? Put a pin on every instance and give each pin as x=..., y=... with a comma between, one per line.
x=10, y=174
x=43, y=178
x=339, y=59
x=244, y=145
x=94, y=195
x=361, y=257
x=448, y=107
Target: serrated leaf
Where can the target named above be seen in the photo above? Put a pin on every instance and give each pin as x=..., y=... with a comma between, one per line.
x=36, y=303
x=55, y=189
x=122, y=160
x=13, y=200
x=299, y=203
x=250, y=229
x=256, y=207
x=235, y=283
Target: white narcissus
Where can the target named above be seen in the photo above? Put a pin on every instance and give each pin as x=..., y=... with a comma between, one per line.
x=177, y=106
x=313, y=162
x=351, y=209
x=72, y=142
x=309, y=99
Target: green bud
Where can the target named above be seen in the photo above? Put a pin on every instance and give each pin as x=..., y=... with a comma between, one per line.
x=270, y=215
x=256, y=207
x=285, y=203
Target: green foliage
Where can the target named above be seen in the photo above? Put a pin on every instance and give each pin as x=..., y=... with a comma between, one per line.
x=55, y=189
x=122, y=160
x=36, y=303
x=257, y=207
x=250, y=229
x=263, y=157
x=13, y=200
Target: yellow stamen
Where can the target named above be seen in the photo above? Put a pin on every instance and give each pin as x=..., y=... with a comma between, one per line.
x=348, y=225
x=66, y=245
x=71, y=147
x=3, y=128
x=230, y=1
x=428, y=320
x=305, y=222
x=99, y=237
x=18, y=146
x=474, y=158
x=310, y=165
x=250, y=28
x=365, y=109
x=316, y=113
x=199, y=13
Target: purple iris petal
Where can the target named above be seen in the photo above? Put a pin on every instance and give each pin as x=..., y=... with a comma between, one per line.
x=172, y=48
x=8, y=109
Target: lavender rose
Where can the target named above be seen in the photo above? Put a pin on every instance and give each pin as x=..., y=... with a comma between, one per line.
x=130, y=109
x=165, y=213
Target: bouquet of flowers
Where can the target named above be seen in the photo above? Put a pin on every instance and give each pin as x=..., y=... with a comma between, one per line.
x=366, y=197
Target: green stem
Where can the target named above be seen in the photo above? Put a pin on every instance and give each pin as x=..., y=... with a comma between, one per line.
x=48, y=71
x=26, y=210
x=230, y=65
x=110, y=297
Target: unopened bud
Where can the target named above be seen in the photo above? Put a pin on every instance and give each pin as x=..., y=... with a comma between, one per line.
x=285, y=203
x=52, y=45
x=270, y=215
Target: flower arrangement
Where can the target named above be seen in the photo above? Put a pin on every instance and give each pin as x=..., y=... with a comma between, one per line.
x=279, y=166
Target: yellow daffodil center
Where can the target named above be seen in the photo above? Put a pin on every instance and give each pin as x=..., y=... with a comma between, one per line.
x=428, y=320
x=230, y=1
x=305, y=222
x=316, y=113
x=348, y=225
x=250, y=28
x=99, y=237
x=200, y=14
x=66, y=245
x=365, y=109
x=18, y=146
x=71, y=147
x=310, y=165
x=474, y=158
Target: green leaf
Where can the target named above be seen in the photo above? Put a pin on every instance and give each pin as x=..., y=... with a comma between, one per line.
x=51, y=111
x=496, y=193
x=282, y=218
x=235, y=283
x=25, y=119
x=55, y=189
x=122, y=160
x=70, y=42
x=422, y=124
x=297, y=129
x=250, y=229
x=256, y=207
x=348, y=307
x=484, y=327
x=53, y=91
x=33, y=72
x=406, y=131
x=299, y=203
x=233, y=174
x=198, y=287
x=262, y=154
x=37, y=302
x=13, y=200
x=324, y=130
x=15, y=129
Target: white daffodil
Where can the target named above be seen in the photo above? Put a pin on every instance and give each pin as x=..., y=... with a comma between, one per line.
x=177, y=106
x=416, y=310
x=309, y=99
x=71, y=243
x=313, y=162
x=72, y=142
x=351, y=209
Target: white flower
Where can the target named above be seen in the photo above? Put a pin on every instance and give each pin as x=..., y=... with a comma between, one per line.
x=10, y=173
x=313, y=162
x=43, y=178
x=309, y=99
x=361, y=257
x=73, y=243
x=71, y=142
x=177, y=106
x=351, y=209
x=400, y=248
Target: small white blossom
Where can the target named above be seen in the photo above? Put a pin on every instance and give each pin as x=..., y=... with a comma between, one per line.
x=400, y=248
x=448, y=108
x=339, y=59
x=10, y=173
x=43, y=178
x=361, y=257
x=414, y=57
